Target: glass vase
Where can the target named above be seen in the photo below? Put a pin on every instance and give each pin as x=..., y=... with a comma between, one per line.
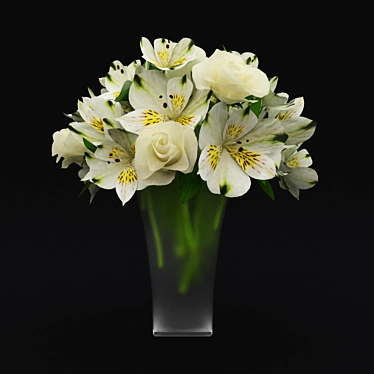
x=182, y=244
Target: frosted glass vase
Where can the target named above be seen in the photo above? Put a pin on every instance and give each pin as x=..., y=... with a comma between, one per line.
x=182, y=244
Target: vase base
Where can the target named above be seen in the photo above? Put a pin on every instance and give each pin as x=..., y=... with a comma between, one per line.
x=183, y=334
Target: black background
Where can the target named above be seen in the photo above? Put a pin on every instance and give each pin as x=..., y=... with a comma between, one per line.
x=294, y=283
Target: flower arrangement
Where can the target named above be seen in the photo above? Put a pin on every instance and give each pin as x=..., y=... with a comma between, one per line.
x=212, y=125
x=214, y=120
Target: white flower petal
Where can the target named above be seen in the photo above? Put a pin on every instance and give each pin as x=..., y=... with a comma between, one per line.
x=279, y=104
x=114, y=81
x=148, y=51
x=197, y=107
x=202, y=74
x=273, y=83
x=302, y=178
x=240, y=123
x=187, y=69
x=105, y=108
x=58, y=143
x=159, y=178
x=282, y=183
x=102, y=81
x=291, y=188
x=84, y=130
x=179, y=90
x=295, y=109
x=126, y=183
x=163, y=50
x=123, y=138
x=148, y=91
x=188, y=120
x=208, y=160
x=298, y=129
x=212, y=128
x=119, y=74
x=288, y=152
x=257, y=82
x=110, y=152
x=256, y=165
x=267, y=138
x=115, y=66
x=228, y=178
x=89, y=116
x=250, y=59
x=137, y=120
x=67, y=146
x=103, y=174
x=110, y=95
x=183, y=52
x=299, y=159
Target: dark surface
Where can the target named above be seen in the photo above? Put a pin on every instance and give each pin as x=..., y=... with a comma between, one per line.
x=294, y=281
x=74, y=305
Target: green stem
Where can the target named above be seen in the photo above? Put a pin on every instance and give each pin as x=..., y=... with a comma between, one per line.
x=187, y=236
x=218, y=218
x=156, y=232
x=188, y=230
x=189, y=271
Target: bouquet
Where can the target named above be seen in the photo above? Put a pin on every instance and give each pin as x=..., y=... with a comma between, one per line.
x=216, y=120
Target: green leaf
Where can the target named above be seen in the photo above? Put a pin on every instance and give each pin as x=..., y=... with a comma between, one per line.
x=89, y=145
x=87, y=185
x=124, y=94
x=149, y=66
x=256, y=107
x=266, y=186
x=76, y=117
x=224, y=48
x=189, y=184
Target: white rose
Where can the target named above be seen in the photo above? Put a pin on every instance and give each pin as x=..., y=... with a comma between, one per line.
x=163, y=149
x=66, y=146
x=230, y=78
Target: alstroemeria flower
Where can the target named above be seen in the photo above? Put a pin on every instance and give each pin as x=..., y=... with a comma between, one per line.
x=294, y=172
x=187, y=69
x=299, y=129
x=236, y=148
x=98, y=114
x=167, y=55
x=111, y=166
x=156, y=99
x=116, y=77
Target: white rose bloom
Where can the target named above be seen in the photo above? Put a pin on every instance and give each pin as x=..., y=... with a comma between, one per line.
x=230, y=77
x=163, y=149
x=66, y=146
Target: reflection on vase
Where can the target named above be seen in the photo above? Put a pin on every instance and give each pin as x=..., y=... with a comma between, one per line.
x=182, y=243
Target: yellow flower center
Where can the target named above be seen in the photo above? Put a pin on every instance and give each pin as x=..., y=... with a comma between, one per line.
x=233, y=131
x=293, y=162
x=98, y=124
